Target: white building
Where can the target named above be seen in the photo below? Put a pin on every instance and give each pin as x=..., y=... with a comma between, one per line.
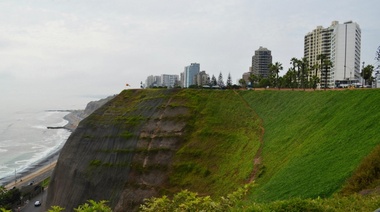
x=153, y=81
x=345, y=51
x=341, y=44
x=169, y=80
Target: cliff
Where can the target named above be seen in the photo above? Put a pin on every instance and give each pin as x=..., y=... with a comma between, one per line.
x=75, y=116
x=121, y=152
x=146, y=143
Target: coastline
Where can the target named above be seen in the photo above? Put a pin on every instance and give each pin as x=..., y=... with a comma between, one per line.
x=45, y=164
x=48, y=163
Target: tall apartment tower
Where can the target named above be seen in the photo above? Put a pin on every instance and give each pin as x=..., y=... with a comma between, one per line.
x=189, y=74
x=341, y=45
x=169, y=80
x=261, y=61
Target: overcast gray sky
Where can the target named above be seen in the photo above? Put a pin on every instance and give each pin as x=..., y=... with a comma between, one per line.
x=94, y=47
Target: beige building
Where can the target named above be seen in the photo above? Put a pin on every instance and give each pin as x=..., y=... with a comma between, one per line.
x=202, y=78
x=341, y=45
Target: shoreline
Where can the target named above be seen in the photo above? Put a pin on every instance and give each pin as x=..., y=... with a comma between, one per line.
x=45, y=164
x=48, y=163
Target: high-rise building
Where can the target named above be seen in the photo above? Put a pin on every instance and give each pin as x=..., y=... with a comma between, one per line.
x=261, y=61
x=153, y=81
x=341, y=44
x=168, y=80
x=189, y=73
x=202, y=78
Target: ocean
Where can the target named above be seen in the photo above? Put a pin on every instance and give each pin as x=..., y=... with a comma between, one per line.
x=25, y=140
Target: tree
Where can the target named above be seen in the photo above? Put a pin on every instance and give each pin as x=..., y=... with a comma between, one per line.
x=190, y=201
x=242, y=83
x=378, y=54
x=213, y=81
x=8, y=198
x=367, y=73
x=315, y=78
x=291, y=78
x=275, y=70
x=325, y=64
x=264, y=82
x=229, y=81
x=220, y=80
x=252, y=79
x=304, y=72
x=296, y=73
x=91, y=206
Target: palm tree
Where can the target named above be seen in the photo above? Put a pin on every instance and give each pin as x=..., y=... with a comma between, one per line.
x=367, y=73
x=242, y=83
x=296, y=70
x=325, y=65
x=304, y=69
x=252, y=79
x=275, y=69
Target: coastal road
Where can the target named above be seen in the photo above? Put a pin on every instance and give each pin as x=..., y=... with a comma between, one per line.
x=30, y=206
x=35, y=176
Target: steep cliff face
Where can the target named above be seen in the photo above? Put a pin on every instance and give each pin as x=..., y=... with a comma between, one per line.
x=78, y=115
x=122, y=152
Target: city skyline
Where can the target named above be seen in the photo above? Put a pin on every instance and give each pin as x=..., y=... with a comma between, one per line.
x=58, y=49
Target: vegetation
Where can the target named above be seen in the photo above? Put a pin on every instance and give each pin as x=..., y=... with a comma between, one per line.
x=9, y=198
x=190, y=201
x=218, y=154
x=302, y=75
x=91, y=206
x=317, y=146
x=367, y=74
x=313, y=140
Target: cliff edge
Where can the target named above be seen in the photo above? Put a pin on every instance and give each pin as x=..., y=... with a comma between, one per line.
x=121, y=152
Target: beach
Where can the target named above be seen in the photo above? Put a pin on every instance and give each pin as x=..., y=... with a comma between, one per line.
x=44, y=165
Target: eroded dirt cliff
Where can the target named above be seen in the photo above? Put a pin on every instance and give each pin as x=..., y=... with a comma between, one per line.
x=122, y=152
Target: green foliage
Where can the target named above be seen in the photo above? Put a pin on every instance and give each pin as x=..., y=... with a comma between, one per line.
x=218, y=154
x=126, y=135
x=56, y=209
x=5, y=210
x=96, y=163
x=190, y=201
x=45, y=182
x=313, y=140
x=366, y=176
x=296, y=205
x=367, y=74
x=91, y=206
x=8, y=198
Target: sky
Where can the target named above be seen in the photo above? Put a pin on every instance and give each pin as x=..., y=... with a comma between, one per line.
x=60, y=49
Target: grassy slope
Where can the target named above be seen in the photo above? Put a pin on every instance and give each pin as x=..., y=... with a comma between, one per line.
x=313, y=140
x=218, y=154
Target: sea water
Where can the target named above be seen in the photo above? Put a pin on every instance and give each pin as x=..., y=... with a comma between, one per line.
x=25, y=140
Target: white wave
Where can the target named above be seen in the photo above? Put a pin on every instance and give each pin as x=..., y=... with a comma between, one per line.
x=39, y=127
x=3, y=150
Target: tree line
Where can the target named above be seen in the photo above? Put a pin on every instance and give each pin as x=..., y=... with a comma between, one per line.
x=302, y=75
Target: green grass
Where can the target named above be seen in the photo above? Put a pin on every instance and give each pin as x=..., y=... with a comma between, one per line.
x=313, y=140
x=218, y=154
